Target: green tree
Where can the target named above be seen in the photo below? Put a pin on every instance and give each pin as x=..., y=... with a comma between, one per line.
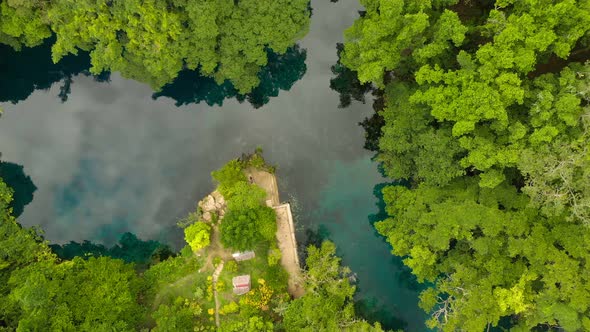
x=228, y=176
x=84, y=295
x=198, y=235
x=19, y=247
x=180, y=316
x=23, y=23
x=327, y=287
x=486, y=114
x=152, y=40
x=245, y=196
x=489, y=255
x=245, y=229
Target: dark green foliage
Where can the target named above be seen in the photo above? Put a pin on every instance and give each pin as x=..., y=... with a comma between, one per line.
x=82, y=295
x=243, y=229
x=22, y=185
x=30, y=69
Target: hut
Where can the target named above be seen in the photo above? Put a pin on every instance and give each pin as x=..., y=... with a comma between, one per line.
x=241, y=284
x=243, y=256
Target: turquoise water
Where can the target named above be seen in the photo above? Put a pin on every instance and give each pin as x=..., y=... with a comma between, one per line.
x=345, y=214
x=109, y=157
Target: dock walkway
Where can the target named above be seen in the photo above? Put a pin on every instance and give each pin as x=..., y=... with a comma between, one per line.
x=285, y=230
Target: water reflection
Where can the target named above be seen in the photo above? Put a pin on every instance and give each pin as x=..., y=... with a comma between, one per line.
x=32, y=69
x=281, y=72
x=129, y=248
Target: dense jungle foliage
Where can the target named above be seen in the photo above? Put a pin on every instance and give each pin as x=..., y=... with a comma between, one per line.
x=486, y=113
x=99, y=290
x=153, y=40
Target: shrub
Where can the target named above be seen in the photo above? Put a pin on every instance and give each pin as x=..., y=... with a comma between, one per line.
x=198, y=235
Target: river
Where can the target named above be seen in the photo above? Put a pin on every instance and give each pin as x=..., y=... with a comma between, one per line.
x=112, y=159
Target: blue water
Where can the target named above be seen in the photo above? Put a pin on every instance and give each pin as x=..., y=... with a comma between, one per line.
x=108, y=157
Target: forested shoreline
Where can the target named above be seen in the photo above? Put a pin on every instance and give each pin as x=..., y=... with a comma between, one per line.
x=90, y=288
x=482, y=115
x=486, y=114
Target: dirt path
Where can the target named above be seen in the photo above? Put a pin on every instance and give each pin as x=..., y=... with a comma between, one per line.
x=285, y=230
x=215, y=278
x=215, y=250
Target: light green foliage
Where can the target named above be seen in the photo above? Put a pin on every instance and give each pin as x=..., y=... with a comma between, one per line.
x=390, y=30
x=491, y=129
x=228, y=176
x=152, y=40
x=491, y=254
x=82, y=295
x=170, y=270
x=250, y=324
x=327, y=287
x=245, y=196
x=23, y=23
x=198, y=235
x=176, y=317
x=466, y=110
x=19, y=247
x=487, y=116
x=274, y=256
x=557, y=178
x=229, y=308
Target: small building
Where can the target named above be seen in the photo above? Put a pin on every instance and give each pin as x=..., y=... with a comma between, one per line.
x=241, y=284
x=243, y=256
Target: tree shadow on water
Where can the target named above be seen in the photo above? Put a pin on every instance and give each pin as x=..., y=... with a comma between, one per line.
x=22, y=185
x=280, y=73
x=372, y=311
x=32, y=69
x=129, y=248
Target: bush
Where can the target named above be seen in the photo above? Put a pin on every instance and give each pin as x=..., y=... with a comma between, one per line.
x=274, y=256
x=229, y=308
x=231, y=266
x=198, y=235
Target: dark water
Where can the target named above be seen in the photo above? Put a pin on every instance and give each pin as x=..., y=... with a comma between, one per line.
x=109, y=157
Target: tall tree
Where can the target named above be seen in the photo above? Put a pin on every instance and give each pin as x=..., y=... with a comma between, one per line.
x=152, y=40
x=485, y=114
x=327, y=287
